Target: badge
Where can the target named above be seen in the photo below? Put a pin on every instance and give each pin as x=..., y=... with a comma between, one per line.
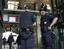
x=45, y=22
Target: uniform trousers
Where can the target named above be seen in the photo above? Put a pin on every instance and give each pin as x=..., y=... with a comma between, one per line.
x=47, y=40
x=27, y=40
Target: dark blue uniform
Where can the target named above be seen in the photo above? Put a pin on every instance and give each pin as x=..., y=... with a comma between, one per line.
x=10, y=40
x=27, y=36
x=46, y=34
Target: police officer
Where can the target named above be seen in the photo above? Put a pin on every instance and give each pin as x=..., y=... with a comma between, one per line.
x=10, y=41
x=18, y=41
x=27, y=20
x=47, y=21
x=4, y=42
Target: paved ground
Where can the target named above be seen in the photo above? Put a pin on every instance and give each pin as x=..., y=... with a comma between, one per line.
x=15, y=47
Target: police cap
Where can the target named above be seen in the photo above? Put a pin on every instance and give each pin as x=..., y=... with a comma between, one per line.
x=28, y=7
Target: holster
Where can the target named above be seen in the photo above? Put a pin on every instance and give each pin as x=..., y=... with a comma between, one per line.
x=45, y=28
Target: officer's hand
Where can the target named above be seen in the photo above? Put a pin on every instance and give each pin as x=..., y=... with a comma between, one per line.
x=34, y=24
x=49, y=27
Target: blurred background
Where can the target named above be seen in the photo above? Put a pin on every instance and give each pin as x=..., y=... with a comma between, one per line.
x=13, y=8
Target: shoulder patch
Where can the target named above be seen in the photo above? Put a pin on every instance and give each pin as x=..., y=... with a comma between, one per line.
x=34, y=16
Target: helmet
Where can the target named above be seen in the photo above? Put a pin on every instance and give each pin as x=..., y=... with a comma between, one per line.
x=44, y=8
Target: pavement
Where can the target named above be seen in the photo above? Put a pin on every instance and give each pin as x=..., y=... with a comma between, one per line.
x=15, y=47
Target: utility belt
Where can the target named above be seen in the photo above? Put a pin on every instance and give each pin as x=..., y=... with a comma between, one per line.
x=45, y=28
x=26, y=32
x=26, y=29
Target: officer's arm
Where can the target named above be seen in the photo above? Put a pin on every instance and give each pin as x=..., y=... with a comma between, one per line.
x=34, y=20
x=54, y=21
